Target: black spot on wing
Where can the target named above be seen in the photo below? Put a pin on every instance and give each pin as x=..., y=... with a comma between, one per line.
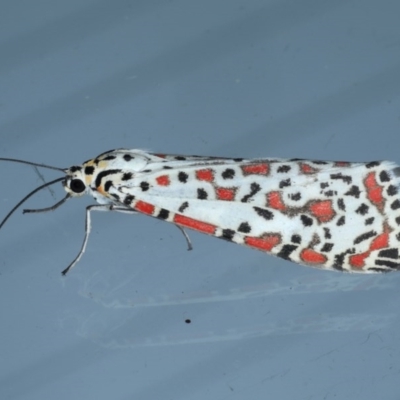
x=307, y=221
x=364, y=236
x=144, y=186
x=228, y=234
x=254, y=188
x=163, y=214
x=201, y=194
x=284, y=168
x=183, y=206
x=341, y=205
x=183, y=177
x=327, y=234
x=244, y=227
x=341, y=221
x=126, y=176
x=340, y=176
x=388, y=263
x=286, y=250
x=129, y=199
x=327, y=247
x=229, y=173
x=395, y=205
x=262, y=212
x=127, y=157
x=392, y=190
x=295, y=196
x=389, y=253
x=354, y=191
x=362, y=209
x=296, y=239
x=284, y=183
x=384, y=176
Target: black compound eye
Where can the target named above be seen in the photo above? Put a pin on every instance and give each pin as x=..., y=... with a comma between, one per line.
x=77, y=186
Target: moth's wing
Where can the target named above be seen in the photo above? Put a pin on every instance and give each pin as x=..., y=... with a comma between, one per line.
x=325, y=215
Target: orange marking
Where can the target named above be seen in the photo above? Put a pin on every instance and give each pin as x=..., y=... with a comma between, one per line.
x=274, y=200
x=195, y=224
x=163, y=180
x=380, y=242
x=257, y=169
x=374, y=191
x=266, y=243
x=205, y=175
x=307, y=169
x=312, y=257
x=370, y=180
x=358, y=260
x=322, y=210
x=225, y=194
x=145, y=208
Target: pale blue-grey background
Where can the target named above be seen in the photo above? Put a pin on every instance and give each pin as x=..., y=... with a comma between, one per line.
x=298, y=78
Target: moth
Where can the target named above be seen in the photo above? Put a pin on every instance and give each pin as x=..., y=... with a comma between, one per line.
x=340, y=216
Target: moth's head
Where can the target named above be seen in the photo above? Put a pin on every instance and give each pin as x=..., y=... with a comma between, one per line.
x=75, y=181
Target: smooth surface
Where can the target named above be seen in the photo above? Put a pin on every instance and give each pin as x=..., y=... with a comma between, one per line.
x=310, y=79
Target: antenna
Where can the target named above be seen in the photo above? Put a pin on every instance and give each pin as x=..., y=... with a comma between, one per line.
x=33, y=192
x=33, y=163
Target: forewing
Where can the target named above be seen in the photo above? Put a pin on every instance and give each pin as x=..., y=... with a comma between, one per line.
x=329, y=215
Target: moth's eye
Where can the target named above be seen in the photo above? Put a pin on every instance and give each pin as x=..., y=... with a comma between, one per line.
x=77, y=186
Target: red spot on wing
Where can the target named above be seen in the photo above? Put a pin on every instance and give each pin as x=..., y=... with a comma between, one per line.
x=374, y=191
x=255, y=169
x=265, y=243
x=225, y=194
x=322, y=210
x=310, y=256
x=380, y=242
x=194, y=224
x=205, y=175
x=145, y=208
x=274, y=200
x=161, y=155
x=358, y=260
x=163, y=180
x=307, y=169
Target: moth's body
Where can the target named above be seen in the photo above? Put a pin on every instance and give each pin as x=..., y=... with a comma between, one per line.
x=341, y=216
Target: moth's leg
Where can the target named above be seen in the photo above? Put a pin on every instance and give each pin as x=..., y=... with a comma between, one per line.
x=188, y=241
x=130, y=211
x=89, y=209
x=51, y=208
